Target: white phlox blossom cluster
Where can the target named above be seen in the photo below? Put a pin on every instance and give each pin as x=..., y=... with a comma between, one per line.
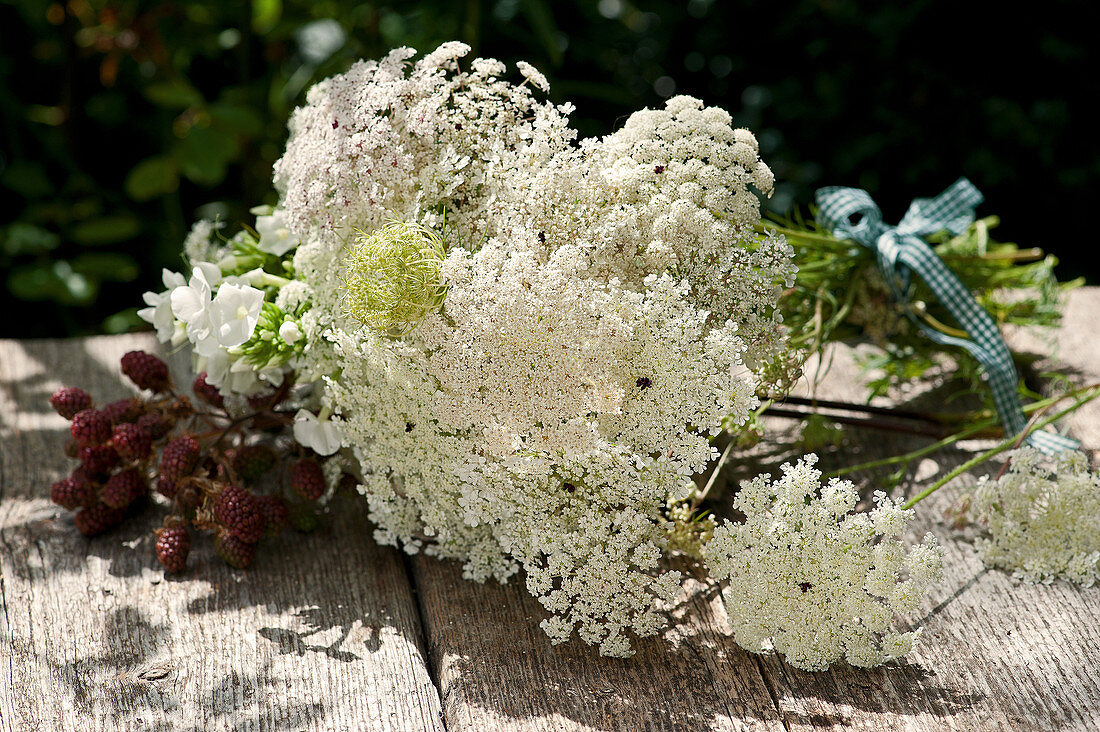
x=1041, y=517
x=814, y=581
x=224, y=307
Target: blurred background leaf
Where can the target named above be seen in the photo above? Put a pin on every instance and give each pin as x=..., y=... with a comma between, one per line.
x=124, y=120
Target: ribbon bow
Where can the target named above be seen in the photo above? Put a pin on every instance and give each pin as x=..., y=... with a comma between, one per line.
x=850, y=213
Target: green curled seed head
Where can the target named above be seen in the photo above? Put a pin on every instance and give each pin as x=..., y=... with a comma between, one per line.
x=392, y=281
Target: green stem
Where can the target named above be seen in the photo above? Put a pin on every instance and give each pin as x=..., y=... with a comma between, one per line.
x=807, y=235
x=1008, y=444
x=963, y=434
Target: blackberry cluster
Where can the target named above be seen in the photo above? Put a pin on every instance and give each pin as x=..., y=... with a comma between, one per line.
x=206, y=466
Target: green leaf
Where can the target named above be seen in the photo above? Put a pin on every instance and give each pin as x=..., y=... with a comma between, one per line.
x=174, y=94
x=24, y=238
x=152, y=177
x=52, y=281
x=237, y=119
x=27, y=179
x=204, y=154
x=541, y=18
x=123, y=321
x=266, y=14
x=106, y=230
x=106, y=266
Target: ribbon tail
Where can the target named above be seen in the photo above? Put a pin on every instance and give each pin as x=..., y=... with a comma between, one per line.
x=986, y=343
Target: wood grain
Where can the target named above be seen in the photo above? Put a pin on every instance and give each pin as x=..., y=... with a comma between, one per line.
x=329, y=631
x=321, y=634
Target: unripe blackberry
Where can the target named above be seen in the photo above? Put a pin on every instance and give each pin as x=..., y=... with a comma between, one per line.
x=132, y=441
x=98, y=459
x=252, y=461
x=239, y=512
x=73, y=491
x=90, y=427
x=146, y=371
x=155, y=424
x=173, y=545
x=307, y=479
x=207, y=392
x=70, y=400
x=97, y=518
x=261, y=401
x=179, y=458
x=233, y=551
x=303, y=518
x=123, y=488
x=124, y=410
x=276, y=514
x=166, y=487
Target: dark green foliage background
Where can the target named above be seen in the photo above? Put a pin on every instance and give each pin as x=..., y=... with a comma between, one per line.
x=124, y=120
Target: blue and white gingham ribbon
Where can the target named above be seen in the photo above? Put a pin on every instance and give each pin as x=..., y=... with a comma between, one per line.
x=850, y=213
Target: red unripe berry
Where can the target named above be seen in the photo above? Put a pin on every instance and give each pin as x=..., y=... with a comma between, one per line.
x=98, y=518
x=124, y=410
x=90, y=427
x=239, y=512
x=233, y=551
x=70, y=400
x=276, y=514
x=123, y=488
x=179, y=458
x=146, y=371
x=166, y=487
x=73, y=492
x=173, y=545
x=207, y=392
x=155, y=424
x=307, y=479
x=98, y=459
x=132, y=441
x=252, y=461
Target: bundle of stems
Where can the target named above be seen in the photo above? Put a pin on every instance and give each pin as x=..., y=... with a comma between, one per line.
x=839, y=296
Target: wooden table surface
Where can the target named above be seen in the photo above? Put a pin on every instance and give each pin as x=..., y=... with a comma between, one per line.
x=329, y=631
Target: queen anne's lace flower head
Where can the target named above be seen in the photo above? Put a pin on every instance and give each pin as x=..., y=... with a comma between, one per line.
x=1042, y=517
x=814, y=581
x=392, y=279
x=591, y=316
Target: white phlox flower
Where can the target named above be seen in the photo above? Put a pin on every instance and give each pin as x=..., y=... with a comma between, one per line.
x=322, y=436
x=275, y=236
x=159, y=313
x=234, y=312
x=191, y=303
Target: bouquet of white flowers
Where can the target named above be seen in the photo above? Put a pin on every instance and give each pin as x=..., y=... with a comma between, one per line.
x=521, y=348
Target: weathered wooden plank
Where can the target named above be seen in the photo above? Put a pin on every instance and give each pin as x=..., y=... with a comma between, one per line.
x=995, y=654
x=498, y=671
x=322, y=633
